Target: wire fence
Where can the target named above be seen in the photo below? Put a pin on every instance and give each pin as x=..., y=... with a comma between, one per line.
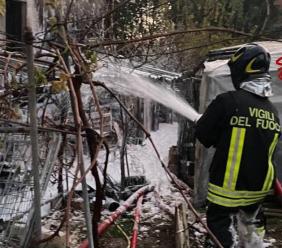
x=16, y=183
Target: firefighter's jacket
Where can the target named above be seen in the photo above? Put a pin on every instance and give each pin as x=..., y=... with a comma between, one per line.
x=244, y=128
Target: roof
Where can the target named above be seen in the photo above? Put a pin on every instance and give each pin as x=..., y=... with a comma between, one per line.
x=147, y=71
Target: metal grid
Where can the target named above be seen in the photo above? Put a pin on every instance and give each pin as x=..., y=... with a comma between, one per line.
x=16, y=183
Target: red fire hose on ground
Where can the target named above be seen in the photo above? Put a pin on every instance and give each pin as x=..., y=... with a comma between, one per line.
x=137, y=216
x=278, y=190
x=112, y=218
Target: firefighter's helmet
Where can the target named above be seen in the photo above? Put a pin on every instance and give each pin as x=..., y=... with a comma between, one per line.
x=249, y=60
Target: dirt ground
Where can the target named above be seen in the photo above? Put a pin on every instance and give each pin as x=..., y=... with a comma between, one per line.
x=274, y=230
x=158, y=234
x=161, y=234
x=153, y=232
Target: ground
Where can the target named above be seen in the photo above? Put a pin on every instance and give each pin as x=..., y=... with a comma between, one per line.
x=274, y=230
x=157, y=227
x=156, y=234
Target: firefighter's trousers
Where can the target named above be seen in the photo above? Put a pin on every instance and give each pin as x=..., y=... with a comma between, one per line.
x=237, y=227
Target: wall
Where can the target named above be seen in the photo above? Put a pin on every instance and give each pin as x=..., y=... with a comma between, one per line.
x=33, y=16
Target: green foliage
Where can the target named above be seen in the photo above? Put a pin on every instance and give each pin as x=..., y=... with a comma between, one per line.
x=40, y=77
x=140, y=17
x=91, y=55
x=207, y=13
x=255, y=14
x=52, y=22
x=247, y=16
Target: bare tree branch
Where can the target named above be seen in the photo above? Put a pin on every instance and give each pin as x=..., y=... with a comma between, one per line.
x=163, y=35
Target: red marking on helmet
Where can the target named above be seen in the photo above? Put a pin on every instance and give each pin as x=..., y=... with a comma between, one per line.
x=279, y=62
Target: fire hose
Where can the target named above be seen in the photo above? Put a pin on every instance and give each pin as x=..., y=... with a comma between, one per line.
x=137, y=216
x=102, y=228
x=278, y=190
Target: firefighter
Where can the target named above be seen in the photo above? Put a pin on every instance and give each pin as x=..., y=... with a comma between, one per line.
x=244, y=128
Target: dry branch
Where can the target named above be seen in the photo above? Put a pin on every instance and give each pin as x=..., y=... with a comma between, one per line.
x=163, y=35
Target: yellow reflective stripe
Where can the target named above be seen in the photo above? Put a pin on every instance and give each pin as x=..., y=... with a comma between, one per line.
x=232, y=202
x=230, y=157
x=234, y=157
x=235, y=193
x=236, y=57
x=270, y=172
x=270, y=180
x=238, y=157
x=249, y=68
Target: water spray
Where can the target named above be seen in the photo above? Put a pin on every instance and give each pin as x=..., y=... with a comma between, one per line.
x=121, y=80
